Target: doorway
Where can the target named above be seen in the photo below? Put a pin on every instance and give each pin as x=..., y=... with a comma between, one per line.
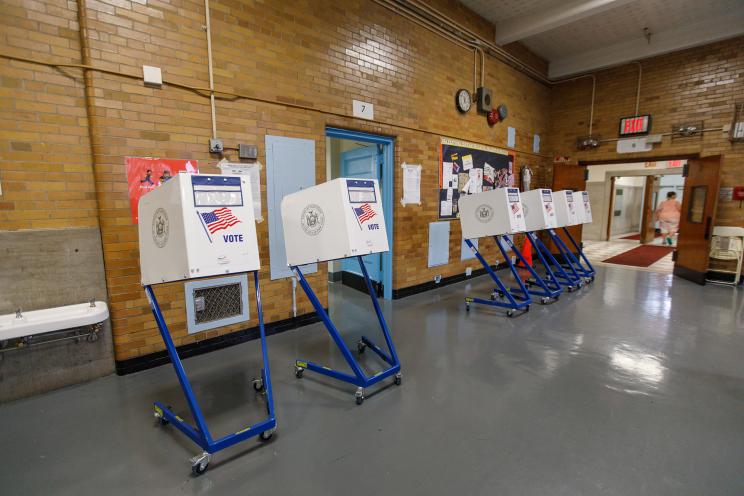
x=359, y=155
x=625, y=198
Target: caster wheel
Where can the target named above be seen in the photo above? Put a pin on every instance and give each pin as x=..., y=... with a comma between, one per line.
x=570, y=289
x=510, y=313
x=161, y=418
x=298, y=372
x=544, y=300
x=493, y=296
x=527, y=308
x=359, y=400
x=200, y=463
x=359, y=396
x=258, y=385
x=398, y=379
x=467, y=307
x=266, y=435
x=361, y=346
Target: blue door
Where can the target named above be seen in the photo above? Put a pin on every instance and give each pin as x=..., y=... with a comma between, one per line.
x=363, y=163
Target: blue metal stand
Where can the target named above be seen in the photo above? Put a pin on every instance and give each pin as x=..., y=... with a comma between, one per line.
x=358, y=378
x=544, y=289
x=517, y=299
x=587, y=271
x=554, y=272
x=574, y=276
x=200, y=433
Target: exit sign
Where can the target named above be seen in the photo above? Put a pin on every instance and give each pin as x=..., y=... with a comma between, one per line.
x=635, y=126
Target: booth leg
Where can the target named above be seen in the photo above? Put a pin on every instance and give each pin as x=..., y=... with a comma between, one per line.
x=574, y=276
x=544, y=292
x=359, y=378
x=589, y=271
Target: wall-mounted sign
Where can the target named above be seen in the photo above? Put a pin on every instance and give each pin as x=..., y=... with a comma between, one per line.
x=363, y=110
x=146, y=174
x=635, y=126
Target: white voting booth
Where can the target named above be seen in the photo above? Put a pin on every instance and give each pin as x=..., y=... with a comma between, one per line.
x=491, y=213
x=195, y=226
x=565, y=208
x=338, y=219
x=583, y=207
x=539, y=211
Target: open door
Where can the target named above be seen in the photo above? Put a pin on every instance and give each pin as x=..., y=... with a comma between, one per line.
x=648, y=227
x=571, y=177
x=702, y=178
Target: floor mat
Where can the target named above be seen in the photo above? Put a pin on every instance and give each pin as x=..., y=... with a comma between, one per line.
x=637, y=237
x=641, y=256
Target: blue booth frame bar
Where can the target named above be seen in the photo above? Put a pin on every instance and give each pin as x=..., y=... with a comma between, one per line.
x=588, y=272
x=516, y=298
x=200, y=433
x=359, y=378
x=554, y=271
x=575, y=274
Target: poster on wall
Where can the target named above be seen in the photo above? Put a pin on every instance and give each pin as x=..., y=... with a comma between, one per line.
x=144, y=174
x=466, y=168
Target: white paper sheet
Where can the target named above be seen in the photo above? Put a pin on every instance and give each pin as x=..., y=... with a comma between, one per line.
x=252, y=170
x=476, y=181
x=467, y=162
x=412, y=184
x=445, y=208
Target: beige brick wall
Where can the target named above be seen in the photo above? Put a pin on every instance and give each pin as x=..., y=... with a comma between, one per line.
x=698, y=84
x=319, y=54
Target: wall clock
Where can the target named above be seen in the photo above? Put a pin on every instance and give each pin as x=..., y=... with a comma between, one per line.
x=463, y=100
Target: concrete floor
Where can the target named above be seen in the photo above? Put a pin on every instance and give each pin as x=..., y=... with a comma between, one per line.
x=634, y=386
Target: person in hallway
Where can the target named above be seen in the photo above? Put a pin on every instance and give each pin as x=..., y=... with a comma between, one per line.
x=667, y=213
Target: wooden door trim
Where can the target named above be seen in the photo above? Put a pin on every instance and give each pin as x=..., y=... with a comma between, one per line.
x=648, y=209
x=611, y=202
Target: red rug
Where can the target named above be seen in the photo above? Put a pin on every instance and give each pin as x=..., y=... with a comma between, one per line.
x=637, y=237
x=642, y=256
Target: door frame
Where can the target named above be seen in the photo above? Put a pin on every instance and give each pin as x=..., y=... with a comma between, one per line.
x=388, y=146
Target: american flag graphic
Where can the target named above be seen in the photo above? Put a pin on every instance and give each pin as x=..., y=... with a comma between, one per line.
x=364, y=213
x=219, y=219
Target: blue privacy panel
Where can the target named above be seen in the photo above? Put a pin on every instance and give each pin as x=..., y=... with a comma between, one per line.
x=438, y=243
x=290, y=167
x=465, y=252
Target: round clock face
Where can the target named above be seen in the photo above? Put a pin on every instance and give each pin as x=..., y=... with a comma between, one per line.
x=463, y=100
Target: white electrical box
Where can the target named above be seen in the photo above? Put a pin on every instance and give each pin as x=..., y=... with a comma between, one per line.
x=539, y=211
x=565, y=208
x=197, y=225
x=583, y=207
x=491, y=213
x=337, y=219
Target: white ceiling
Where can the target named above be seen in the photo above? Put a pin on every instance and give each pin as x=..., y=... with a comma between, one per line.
x=582, y=35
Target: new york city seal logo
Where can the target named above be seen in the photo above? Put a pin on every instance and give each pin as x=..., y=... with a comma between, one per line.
x=312, y=219
x=160, y=227
x=484, y=213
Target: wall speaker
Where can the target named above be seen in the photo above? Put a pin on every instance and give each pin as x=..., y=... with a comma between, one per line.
x=485, y=101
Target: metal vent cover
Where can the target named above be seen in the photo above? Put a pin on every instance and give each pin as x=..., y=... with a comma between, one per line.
x=216, y=303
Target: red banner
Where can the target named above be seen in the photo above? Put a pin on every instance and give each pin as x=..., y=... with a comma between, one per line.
x=146, y=174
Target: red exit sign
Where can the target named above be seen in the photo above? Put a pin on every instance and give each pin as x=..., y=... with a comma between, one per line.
x=635, y=126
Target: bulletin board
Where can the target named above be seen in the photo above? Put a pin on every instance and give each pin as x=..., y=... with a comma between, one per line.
x=466, y=168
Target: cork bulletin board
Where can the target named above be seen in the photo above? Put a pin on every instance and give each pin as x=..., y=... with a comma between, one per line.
x=466, y=168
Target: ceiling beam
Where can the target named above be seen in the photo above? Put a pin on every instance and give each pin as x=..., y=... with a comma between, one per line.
x=718, y=28
x=519, y=28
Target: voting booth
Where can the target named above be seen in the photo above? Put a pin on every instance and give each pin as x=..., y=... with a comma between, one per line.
x=565, y=208
x=498, y=213
x=583, y=207
x=491, y=213
x=339, y=219
x=539, y=211
x=195, y=226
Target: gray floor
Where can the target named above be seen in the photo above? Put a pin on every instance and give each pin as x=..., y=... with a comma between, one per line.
x=634, y=386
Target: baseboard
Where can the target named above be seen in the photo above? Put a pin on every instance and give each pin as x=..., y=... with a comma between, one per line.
x=357, y=282
x=158, y=358
x=689, y=274
x=445, y=281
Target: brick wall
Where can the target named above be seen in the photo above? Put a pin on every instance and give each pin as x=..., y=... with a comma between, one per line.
x=698, y=84
x=318, y=54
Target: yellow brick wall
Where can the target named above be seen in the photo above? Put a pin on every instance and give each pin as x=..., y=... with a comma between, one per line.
x=45, y=160
x=698, y=84
x=319, y=54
